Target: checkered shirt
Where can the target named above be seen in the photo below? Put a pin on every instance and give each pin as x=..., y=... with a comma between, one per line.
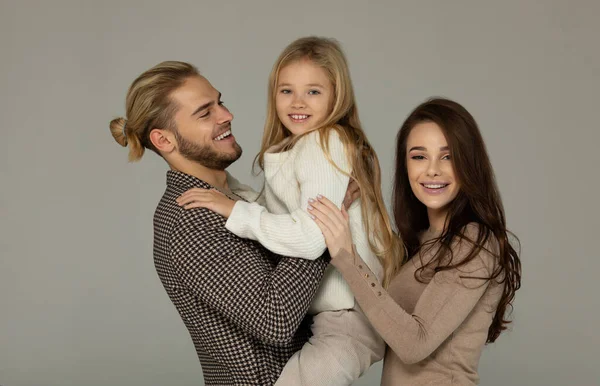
x=243, y=306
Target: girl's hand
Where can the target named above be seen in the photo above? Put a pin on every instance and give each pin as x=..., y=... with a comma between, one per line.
x=210, y=199
x=333, y=223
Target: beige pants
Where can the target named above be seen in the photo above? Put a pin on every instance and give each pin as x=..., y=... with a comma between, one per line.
x=343, y=346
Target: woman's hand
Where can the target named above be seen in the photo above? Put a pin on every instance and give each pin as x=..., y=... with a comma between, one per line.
x=210, y=199
x=333, y=223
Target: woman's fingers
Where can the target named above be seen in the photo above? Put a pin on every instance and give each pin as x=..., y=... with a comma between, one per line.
x=323, y=213
x=321, y=216
x=333, y=223
x=325, y=201
x=327, y=207
x=324, y=229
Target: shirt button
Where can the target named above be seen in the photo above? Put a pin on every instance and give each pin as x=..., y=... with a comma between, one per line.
x=366, y=275
x=372, y=284
x=378, y=293
x=360, y=266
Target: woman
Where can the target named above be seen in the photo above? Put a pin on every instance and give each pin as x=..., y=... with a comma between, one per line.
x=451, y=296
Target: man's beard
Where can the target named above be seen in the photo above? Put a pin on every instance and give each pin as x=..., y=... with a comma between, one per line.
x=206, y=155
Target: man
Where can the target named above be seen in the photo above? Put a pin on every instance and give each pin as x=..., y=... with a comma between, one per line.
x=242, y=305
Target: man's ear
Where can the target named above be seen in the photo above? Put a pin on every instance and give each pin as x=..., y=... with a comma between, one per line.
x=163, y=140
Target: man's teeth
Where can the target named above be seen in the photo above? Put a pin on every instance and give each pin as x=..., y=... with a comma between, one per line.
x=435, y=186
x=224, y=135
x=297, y=116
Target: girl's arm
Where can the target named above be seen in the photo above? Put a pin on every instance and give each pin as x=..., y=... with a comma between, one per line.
x=295, y=234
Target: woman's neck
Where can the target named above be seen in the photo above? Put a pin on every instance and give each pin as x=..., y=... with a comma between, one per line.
x=437, y=219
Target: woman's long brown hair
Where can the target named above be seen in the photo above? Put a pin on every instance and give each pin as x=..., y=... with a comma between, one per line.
x=478, y=201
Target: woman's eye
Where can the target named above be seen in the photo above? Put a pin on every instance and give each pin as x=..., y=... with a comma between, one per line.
x=417, y=157
x=447, y=157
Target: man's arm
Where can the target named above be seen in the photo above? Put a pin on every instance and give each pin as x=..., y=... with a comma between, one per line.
x=235, y=277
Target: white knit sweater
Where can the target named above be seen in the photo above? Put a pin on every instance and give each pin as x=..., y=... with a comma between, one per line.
x=283, y=224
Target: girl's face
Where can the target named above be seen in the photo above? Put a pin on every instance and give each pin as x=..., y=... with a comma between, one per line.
x=430, y=168
x=304, y=96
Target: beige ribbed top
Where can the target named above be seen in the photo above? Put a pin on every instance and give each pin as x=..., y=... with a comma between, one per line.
x=435, y=331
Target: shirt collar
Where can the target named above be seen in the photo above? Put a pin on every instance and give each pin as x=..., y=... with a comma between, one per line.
x=185, y=181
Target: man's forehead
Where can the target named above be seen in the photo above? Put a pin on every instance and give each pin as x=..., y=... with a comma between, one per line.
x=195, y=91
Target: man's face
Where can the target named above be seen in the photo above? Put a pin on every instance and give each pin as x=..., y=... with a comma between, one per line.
x=203, y=132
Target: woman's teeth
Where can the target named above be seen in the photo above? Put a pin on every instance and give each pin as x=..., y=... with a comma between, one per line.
x=224, y=135
x=435, y=186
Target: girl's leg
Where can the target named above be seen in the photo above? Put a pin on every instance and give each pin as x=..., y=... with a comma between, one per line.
x=343, y=346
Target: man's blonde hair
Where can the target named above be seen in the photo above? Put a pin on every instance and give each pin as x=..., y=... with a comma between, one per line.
x=149, y=106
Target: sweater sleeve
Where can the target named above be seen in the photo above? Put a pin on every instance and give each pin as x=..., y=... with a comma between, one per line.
x=244, y=191
x=445, y=303
x=296, y=234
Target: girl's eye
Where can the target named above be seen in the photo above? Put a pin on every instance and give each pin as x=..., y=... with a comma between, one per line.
x=314, y=92
x=285, y=91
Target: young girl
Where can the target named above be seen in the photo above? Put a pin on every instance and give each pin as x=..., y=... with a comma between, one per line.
x=451, y=297
x=313, y=144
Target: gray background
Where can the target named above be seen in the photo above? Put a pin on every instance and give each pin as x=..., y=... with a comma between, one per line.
x=80, y=302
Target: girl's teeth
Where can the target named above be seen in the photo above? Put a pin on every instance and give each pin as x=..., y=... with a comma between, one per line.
x=299, y=116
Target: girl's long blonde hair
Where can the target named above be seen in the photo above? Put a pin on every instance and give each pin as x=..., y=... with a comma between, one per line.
x=343, y=118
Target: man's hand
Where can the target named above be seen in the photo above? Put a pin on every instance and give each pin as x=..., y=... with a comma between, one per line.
x=210, y=199
x=352, y=193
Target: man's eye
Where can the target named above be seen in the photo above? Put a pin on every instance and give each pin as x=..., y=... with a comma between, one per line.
x=205, y=115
